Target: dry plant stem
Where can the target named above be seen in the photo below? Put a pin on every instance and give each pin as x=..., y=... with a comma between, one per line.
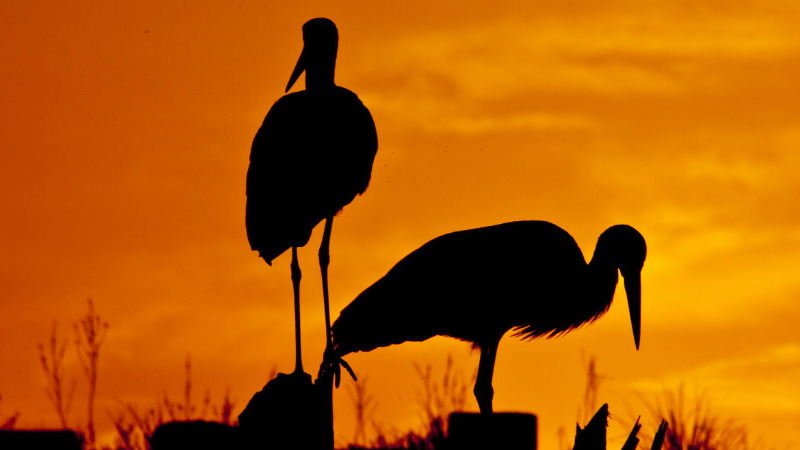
x=593, y=380
x=90, y=332
x=695, y=426
x=8, y=424
x=364, y=404
x=134, y=428
x=439, y=399
x=52, y=360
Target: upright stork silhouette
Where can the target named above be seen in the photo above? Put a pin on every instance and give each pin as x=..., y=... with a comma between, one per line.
x=476, y=285
x=312, y=155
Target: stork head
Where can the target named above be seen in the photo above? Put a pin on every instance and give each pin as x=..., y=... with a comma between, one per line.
x=318, y=58
x=626, y=249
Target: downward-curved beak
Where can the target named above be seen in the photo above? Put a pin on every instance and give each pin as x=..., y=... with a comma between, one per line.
x=633, y=289
x=298, y=69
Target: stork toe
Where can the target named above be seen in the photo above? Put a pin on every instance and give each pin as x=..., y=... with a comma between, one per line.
x=332, y=365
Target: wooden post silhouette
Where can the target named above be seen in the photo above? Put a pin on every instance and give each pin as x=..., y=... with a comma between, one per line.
x=470, y=431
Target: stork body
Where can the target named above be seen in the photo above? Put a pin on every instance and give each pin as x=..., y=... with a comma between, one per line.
x=312, y=156
x=476, y=285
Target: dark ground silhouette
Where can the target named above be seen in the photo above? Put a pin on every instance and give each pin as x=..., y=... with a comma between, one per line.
x=40, y=439
x=196, y=435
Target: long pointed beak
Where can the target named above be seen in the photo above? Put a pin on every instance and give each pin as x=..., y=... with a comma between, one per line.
x=633, y=289
x=298, y=69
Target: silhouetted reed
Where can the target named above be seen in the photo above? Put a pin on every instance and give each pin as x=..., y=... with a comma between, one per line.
x=364, y=405
x=90, y=332
x=52, y=360
x=695, y=425
x=436, y=400
x=135, y=428
x=8, y=423
x=440, y=399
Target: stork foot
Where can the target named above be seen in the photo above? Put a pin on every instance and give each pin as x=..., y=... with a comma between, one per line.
x=332, y=366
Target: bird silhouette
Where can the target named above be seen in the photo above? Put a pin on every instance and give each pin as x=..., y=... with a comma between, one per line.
x=312, y=155
x=475, y=285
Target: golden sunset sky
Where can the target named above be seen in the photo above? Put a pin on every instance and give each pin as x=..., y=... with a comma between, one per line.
x=125, y=142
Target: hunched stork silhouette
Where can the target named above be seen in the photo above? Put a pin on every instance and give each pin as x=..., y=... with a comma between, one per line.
x=312, y=155
x=475, y=285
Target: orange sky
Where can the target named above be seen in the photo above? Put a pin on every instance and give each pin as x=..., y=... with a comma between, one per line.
x=126, y=135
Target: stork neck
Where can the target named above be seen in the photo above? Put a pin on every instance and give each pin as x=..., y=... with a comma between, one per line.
x=320, y=77
x=603, y=278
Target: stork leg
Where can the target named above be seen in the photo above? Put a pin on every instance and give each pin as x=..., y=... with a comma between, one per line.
x=298, y=366
x=483, y=384
x=324, y=261
x=331, y=361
